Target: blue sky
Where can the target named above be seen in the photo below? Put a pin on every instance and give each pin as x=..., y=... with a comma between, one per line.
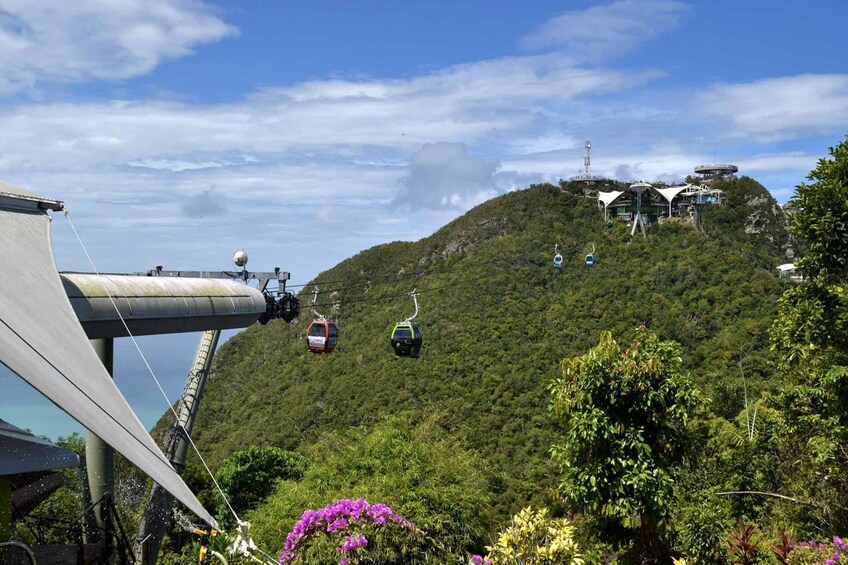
x=178, y=131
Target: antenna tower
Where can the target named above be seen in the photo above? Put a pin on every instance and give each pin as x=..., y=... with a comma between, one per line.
x=584, y=175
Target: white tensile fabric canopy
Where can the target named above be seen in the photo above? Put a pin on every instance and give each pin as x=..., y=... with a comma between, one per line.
x=42, y=341
x=609, y=197
x=671, y=192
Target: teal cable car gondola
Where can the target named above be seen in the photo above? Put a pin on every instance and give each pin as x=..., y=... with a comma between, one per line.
x=590, y=258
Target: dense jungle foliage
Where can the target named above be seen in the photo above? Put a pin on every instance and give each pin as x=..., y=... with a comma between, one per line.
x=498, y=319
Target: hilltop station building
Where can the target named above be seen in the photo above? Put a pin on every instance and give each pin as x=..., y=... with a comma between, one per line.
x=661, y=203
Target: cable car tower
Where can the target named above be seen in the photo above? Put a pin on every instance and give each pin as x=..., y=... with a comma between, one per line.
x=639, y=220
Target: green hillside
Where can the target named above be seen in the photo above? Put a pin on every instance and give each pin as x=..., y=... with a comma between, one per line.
x=497, y=319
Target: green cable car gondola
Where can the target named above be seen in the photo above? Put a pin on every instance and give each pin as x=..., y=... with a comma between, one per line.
x=406, y=336
x=406, y=339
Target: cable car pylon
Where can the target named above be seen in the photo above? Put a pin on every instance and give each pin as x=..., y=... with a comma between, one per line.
x=406, y=336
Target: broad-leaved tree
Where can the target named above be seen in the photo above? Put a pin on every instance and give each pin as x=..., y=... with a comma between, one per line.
x=623, y=414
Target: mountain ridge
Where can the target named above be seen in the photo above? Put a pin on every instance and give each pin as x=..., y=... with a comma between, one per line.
x=497, y=318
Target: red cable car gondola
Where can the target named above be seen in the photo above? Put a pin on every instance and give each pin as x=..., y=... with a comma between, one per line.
x=322, y=335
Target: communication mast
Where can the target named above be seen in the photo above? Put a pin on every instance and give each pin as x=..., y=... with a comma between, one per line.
x=585, y=175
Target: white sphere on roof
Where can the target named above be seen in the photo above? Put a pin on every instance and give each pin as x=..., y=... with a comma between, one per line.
x=240, y=259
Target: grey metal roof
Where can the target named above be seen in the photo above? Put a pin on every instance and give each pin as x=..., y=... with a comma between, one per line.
x=12, y=196
x=22, y=452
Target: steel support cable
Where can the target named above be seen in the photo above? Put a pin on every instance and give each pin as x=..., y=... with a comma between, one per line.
x=341, y=302
x=393, y=296
x=370, y=280
x=380, y=278
x=385, y=280
x=382, y=298
x=152, y=373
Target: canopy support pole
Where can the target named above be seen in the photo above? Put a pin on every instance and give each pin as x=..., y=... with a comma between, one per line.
x=99, y=456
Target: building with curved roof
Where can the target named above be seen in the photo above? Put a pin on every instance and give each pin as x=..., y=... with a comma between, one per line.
x=657, y=203
x=709, y=172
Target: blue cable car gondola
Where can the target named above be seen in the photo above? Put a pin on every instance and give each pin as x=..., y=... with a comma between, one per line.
x=557, y=258
x=406, y=335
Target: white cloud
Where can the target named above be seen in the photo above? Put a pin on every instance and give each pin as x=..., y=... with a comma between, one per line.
x=777, y=162
x=446, y=175
x=780, y=108
x=57, y=40
x=178, y=166
x=649, y=166
x=606, y=30
x=543, y=143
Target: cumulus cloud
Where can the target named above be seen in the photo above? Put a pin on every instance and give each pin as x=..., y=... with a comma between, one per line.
x=781, y=108
x=56, y=40
x=627, y=173
x=206, y=203
x=606, y=30
x=446, y=175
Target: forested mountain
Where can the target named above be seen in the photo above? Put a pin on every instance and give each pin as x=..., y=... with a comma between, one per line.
x=497, y=319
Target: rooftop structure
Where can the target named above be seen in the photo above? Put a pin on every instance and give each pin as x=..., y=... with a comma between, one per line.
x=721, y=170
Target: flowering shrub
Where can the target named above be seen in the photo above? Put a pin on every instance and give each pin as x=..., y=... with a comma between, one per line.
x=532, y=538
x=352, y=531
x=834, y=552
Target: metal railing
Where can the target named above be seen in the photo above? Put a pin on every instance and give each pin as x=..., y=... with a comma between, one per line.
x=16, y=544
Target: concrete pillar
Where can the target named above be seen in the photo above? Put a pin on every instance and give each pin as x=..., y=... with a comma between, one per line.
x=99, y=456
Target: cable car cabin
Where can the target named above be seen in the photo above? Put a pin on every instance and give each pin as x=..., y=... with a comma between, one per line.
x=590, y=260
x=406, y=339
x=558, y=261
x=322, y=336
